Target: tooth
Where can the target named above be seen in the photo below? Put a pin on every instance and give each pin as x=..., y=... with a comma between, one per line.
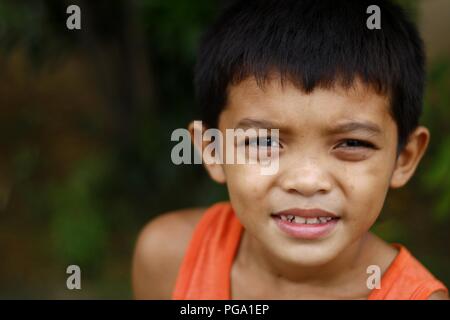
x=323, y=219
x=283, y=217
x=311, y=220
x=299, y=219
x=290, y=217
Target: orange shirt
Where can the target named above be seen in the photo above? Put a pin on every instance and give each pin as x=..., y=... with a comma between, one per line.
x=206, y=267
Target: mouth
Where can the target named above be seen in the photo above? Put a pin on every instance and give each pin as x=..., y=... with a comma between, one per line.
x=306, y=223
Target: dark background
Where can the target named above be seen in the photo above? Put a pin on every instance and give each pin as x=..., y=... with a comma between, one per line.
x=85, y=123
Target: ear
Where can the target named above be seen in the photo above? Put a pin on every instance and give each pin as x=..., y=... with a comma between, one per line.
x=215, y=170
x=410, y=156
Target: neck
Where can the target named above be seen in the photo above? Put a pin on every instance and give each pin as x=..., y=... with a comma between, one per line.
x=339, y=271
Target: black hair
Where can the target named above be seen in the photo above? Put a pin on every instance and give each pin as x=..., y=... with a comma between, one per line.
x=313, y=43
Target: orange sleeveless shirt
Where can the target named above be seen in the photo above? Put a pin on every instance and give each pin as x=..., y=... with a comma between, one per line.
x=205, y=271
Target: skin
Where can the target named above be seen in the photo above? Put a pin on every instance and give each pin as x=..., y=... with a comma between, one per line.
x=155, y=266
x=318, y=168
x=338, y=152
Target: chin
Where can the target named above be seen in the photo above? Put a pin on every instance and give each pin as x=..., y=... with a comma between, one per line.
x=307, y=253
x=311, y=255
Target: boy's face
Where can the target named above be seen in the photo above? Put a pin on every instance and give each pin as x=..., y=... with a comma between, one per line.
x=337, y=152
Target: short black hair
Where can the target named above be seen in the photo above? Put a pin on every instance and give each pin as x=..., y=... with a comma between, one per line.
x=313, y=43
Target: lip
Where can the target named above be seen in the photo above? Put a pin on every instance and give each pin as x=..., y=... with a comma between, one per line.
x=307, y=213
x=306, y=231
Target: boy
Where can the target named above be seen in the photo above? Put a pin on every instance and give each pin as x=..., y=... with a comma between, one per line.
x=346, y=101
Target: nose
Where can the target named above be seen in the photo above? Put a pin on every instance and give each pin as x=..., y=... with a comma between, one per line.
x=305, y=176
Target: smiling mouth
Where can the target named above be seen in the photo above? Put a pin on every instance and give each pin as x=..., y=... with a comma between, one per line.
x=306, y=216
x=304, y=220
x=306, y=223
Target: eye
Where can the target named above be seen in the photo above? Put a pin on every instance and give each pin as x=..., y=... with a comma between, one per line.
x=265, y=142
x=355, y=143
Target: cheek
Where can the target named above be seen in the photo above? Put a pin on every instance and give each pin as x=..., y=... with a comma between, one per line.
x=366, y=186
x=248, y=191
x=246, y=182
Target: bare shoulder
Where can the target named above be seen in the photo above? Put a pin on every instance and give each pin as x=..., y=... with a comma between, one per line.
x=159, y=251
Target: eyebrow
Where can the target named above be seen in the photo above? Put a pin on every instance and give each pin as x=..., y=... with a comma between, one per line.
x=346, y=127
x=255, y=123
x=351, y=126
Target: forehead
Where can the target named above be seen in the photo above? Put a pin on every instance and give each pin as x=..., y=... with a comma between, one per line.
x=290, y=106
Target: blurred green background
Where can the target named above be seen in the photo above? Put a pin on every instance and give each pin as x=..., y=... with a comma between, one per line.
x=85, y=124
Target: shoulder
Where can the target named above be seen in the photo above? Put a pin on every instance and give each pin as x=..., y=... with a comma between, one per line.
x=406, y=278
x=439, y=295
x=159, y=251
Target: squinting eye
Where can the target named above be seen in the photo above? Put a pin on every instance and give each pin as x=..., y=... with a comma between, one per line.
x=266, y=142
x=354, y=143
